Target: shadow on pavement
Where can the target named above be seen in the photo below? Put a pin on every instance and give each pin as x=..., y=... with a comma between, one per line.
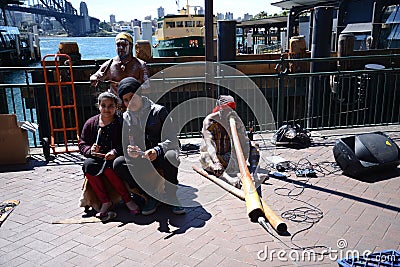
x=168, y=222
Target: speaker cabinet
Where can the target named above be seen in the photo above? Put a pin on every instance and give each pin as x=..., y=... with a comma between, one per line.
x=361, y=154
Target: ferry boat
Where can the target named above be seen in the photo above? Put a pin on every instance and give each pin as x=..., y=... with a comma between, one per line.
x=180, y=35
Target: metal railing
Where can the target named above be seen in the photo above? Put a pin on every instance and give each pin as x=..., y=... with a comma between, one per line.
x=335, y=99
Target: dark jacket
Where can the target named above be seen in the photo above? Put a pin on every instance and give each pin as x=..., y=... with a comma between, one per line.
x=89, y=135
x=144, y=128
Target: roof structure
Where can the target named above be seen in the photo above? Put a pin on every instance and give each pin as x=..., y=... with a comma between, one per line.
x=289, y=4
x=273, y=21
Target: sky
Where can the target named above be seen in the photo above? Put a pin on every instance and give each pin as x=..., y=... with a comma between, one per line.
x=127, y=10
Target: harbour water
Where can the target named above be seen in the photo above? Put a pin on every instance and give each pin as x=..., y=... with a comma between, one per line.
x=89, y=47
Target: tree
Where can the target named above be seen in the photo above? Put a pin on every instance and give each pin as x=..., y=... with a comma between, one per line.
x=261, y=15
x=105, y=26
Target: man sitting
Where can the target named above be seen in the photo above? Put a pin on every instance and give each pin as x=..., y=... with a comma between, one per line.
x=150, y=143
x=217, y=153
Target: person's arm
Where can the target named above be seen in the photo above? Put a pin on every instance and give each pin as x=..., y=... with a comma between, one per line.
x=211, y=147
x=86, y=141
x=169, y=139
x=144, y=75
x=208, y=140
x=101, y=74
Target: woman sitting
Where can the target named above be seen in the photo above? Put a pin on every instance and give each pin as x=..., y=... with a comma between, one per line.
x=101, y=143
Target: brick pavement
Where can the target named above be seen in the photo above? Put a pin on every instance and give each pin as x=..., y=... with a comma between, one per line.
x=363, y=215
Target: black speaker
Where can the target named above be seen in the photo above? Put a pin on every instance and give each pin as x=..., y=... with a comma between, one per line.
x=361, y=154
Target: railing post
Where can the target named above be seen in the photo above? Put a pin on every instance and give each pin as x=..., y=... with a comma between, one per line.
x=320, y=48
x=3, y=102
x=281, y=68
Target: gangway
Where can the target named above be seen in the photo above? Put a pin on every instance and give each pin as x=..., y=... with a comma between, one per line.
x=61, y=103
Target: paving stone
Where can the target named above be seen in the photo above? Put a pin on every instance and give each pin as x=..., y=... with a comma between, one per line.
x=219, y=233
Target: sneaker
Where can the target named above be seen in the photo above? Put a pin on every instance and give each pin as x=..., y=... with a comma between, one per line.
x=150, y=206
x=178, y=210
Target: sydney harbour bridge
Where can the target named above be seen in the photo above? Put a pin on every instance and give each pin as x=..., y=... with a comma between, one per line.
x=75, y=23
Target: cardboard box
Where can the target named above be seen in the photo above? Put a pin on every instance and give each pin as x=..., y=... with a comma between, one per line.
x=14, y=145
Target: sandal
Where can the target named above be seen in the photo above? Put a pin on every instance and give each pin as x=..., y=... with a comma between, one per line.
x=104, y=213
x=133, y=211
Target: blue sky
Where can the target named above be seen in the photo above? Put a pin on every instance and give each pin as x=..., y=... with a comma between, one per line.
x=127, y=10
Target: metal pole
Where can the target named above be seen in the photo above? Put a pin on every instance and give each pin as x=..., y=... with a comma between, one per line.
x=209, y=21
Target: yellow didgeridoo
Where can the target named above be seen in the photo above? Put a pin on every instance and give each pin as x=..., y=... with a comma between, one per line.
x=274, y=220
x=253, y=204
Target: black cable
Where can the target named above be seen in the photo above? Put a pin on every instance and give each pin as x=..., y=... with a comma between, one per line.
x=308, y=214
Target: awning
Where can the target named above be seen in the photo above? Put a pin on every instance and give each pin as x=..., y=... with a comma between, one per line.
x=272, y=21
x=395, y=16
x=288, y=4
x=358, y=28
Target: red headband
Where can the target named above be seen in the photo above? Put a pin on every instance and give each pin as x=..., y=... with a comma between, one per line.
x=231, y=105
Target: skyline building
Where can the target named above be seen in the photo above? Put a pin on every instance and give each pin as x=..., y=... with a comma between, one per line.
x=112, y=19
x=228, y=16
x=160, y=12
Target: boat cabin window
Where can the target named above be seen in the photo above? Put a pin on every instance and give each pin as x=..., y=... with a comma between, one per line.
x=170, y=24
x=199, y=24
x=179, y=24
x=189, y=23
x=160, y=24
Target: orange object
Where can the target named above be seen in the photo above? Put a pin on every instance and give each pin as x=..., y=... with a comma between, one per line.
x=61, y=102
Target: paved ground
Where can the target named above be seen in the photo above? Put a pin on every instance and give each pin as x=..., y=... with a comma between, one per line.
x=334, y=212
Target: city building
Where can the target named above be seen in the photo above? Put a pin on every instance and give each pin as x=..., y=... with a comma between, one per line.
x=200, y=11
x=228, y=16
x=136, y=22
x=112, y=19
x=160, y=12
x=247, y=16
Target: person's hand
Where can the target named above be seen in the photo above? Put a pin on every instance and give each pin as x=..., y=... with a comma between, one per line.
x=95, y=148
x=110, y=156
x=134, y=151
x=151, y=154
x=217, y=169
x=94, y=81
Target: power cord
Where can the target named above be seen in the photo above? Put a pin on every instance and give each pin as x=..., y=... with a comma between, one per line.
x=308, y=214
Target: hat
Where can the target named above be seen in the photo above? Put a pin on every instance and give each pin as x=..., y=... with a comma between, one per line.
x=225, y=99
x=224, y=102
x=125, y=36
x=128, y=85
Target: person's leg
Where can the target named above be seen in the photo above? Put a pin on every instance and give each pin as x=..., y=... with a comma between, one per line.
x=170, y=164
x=98, y=187
x=140, y=167
x=117, y=184
x=100, y=191
x=121, y=169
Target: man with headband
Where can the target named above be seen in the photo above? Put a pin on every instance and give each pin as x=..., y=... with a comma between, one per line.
x=217, y=153
x=122, y=66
